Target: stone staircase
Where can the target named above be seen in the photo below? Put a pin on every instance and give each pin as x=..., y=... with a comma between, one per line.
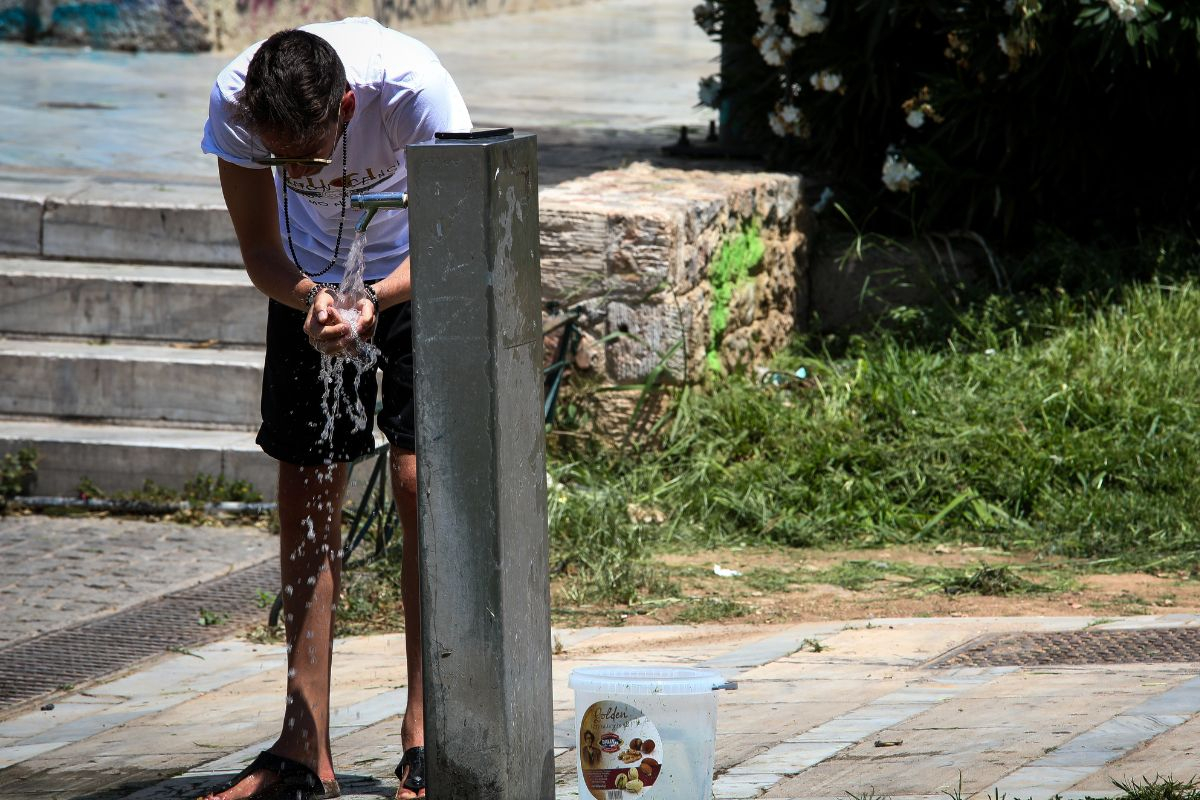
x=121, y=372
x=131, y=342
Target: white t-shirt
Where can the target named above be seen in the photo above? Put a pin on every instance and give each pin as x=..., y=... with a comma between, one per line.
x=402, y=94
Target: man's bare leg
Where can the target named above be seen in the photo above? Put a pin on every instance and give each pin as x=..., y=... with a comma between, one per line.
x=404, y=489
x=310, y=519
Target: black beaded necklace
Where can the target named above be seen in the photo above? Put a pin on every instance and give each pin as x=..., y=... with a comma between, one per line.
x=287, y=222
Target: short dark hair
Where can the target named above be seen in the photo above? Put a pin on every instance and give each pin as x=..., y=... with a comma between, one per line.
x=294, y=87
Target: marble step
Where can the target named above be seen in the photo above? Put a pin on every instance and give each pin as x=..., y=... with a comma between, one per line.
x=121, y=457
x=136, y=382
x=130, y=301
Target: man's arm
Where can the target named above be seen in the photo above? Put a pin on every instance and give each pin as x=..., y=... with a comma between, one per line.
x=250, y=198
x=396, y=288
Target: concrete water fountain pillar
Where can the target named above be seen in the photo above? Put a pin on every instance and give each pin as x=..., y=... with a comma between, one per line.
x=481, y=476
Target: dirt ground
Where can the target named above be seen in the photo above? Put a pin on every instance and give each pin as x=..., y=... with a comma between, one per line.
x=812, y=585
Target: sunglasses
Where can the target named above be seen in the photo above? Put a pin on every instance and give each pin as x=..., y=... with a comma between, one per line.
x=300, y=161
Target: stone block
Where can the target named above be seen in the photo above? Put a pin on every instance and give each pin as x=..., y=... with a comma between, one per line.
x=644, y=253
x=20, y=225
x=632, y=248
x=647, y=337
x=572, y=243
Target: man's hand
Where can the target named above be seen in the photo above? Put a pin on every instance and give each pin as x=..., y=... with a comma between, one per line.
x=367, y=319
x=325, y=329
x=329, y=333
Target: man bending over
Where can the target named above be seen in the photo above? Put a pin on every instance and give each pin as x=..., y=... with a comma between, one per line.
x=300, y=122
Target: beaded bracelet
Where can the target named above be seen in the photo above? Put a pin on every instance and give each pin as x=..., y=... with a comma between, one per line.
x=316, y=289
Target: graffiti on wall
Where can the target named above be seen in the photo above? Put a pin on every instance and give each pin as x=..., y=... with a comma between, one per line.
x=200, y=25
x=107, y=24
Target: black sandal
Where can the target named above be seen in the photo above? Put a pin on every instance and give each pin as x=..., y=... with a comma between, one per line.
x=414, y=759
x=296, y=780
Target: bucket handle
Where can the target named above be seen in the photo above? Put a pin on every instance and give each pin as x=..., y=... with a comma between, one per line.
x=727, y=685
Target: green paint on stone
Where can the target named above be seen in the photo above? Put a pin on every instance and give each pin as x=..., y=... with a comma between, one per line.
x=740, y=253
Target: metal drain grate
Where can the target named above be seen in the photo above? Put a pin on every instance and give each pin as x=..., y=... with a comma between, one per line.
x=1064, y=648
x=97, y=648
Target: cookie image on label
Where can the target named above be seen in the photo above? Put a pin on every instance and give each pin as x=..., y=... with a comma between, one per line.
x=615, y=743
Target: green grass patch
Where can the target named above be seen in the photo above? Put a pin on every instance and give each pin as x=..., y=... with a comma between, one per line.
x=767, y=579
x=199, y=490
x=17, y=471
x=711, y=609
x=857, y=574
x=990, y=581
x=1062, y=424
x=371, y=598
x=1159, y=788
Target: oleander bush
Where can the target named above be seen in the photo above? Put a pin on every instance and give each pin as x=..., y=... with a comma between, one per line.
x=987, y=115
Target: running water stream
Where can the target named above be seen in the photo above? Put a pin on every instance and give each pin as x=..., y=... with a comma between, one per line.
x=360, y=355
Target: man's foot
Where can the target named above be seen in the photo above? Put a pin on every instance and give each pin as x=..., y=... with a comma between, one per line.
x=411, y=772
x=270, y=776
x=254, y=786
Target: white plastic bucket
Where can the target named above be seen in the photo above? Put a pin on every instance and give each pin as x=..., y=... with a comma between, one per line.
x=645, y=731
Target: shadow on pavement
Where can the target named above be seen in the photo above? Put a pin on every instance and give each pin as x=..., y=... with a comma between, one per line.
x=147, y=787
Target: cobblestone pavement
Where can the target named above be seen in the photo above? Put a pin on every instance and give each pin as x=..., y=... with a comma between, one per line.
x=56, y=571
x=863, y=713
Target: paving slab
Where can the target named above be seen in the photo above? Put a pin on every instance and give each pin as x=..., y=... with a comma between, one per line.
x=88, y=567
x=1174, y=751
x=984, y=733
x=793, y=729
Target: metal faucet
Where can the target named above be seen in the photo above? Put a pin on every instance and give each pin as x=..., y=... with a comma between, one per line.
x=374, y=202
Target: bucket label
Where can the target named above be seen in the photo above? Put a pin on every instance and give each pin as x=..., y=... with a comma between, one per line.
x=619, y=751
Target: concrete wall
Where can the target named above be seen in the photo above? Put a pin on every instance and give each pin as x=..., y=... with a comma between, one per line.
x=225, y=25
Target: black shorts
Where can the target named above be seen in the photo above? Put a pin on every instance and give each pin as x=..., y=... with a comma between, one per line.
x=293, y=410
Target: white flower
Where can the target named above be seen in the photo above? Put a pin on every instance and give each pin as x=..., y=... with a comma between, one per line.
x=710, y=90
x=786, y=120
x=915, y=118
x=774, y=44
x=806, y=17
x=898, y=174
x=1010, y=6
x=766, y=11
x=706, y=16
x=1127, y=10
x=826, y=81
